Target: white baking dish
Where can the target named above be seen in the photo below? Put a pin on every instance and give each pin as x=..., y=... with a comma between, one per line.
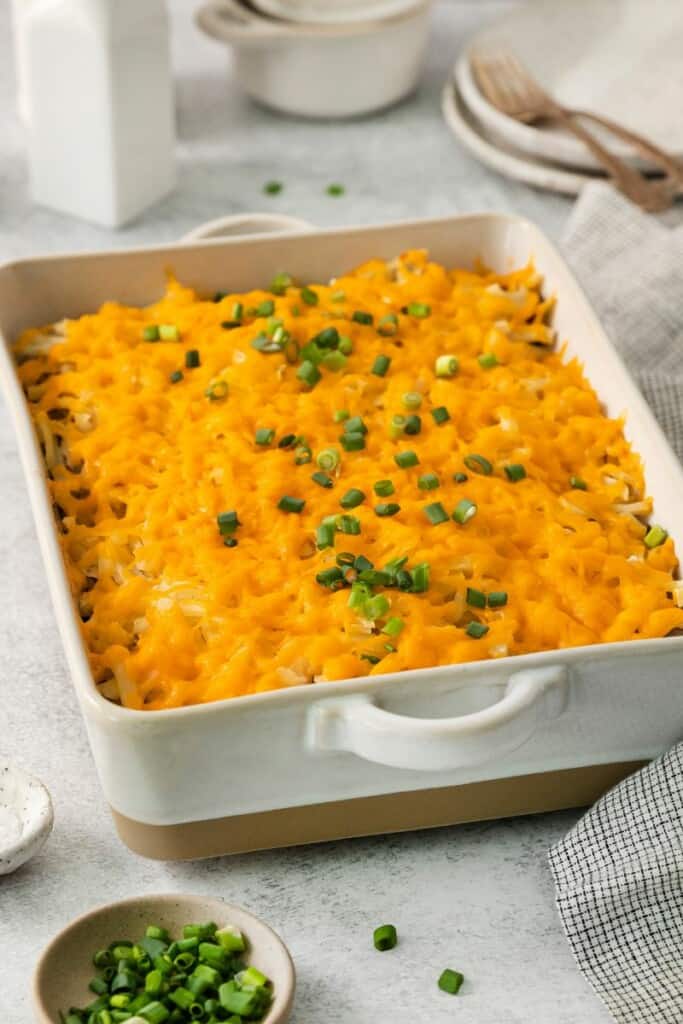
x=321, y=70
x=411, y=732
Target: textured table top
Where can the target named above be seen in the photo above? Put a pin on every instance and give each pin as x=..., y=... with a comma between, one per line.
x=478, y=897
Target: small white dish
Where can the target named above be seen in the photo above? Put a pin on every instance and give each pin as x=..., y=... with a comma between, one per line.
x=507, y=161
x=620, y=58
x=26, y=816
x=322, y=12
x=298, y=68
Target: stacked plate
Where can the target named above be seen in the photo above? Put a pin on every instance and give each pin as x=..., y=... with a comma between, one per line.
x=620, y=58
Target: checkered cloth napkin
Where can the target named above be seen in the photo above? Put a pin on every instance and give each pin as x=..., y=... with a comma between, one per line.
x=619, y=872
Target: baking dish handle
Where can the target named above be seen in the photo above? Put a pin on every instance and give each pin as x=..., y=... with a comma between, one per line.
x=247, y=224
x=360, y=726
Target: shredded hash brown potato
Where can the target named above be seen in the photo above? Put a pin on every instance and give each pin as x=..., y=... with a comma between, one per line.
x=141, y=464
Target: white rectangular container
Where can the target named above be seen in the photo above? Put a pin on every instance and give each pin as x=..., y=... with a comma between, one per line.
x=397, y=751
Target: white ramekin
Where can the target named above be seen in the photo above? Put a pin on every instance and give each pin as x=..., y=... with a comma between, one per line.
x=340, y=70
x=322, y=12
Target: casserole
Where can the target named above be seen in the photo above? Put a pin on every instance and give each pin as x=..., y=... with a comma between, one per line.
x=378, y=61
x=471, y=740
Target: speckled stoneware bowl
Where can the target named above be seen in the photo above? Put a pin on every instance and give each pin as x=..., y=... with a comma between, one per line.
x=55, y=989
x=26, y=816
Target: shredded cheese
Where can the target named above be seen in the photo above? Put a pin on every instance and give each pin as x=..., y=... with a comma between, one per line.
x=139, y=468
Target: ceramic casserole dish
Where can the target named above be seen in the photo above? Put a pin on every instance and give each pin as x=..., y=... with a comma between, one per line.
x=422, y=747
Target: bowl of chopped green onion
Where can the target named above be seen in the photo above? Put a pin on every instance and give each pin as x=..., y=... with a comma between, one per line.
x=164, y=959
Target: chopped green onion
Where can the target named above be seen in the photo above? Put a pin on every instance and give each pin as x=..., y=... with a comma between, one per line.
x=393, y=626
x=309, y=373
x=476, y=598
x=345, y=345
x=230, y=542
x=387, y=508
x=349, y=525
x=384, y=937
x=230, y=325
x=176, y=376
x=169, y=332
x=265, y=308
x=227, y=522
x=302, y=455
x=264, y=435
x=338, y=296
x=413, y=425
x=375, y=577
x=383, y=488
x=404, y=580
x=322, y=479
x=460, y=478
x=450, y=981
x=327, y=338
x=381, y=365
x=440, y=415
x=262, y=343
x=376, y=607
x=372, y=658
x=361, y=563
x=339, y=415
x=655, y=536
x=280, y=283
x=577, y=483
x=476, y=630
x=217, y=391
x=420, y=578
x=324, y=535
x=219, y=296
x=273, y=188
x=478, y=464
x=332, y=578
x=237, y=311
x=327, y=459
x=362, y=318
x=355, y=425
x=487, y=360
x=406, y=459
x=497, y=599
x=352, y=442
x=515, y=472
x=412, y=399
x=446, y=366
x=289, y=504
x=150, y=333
x=192, y=359
x=345, y=558
x=428, y=482
x=418, y=309
x=436, y=513
x=312, y=352
x=286, y=441
x=334, y=361
x=397, y=426
x=464, y=511
x=352, y=498
x=387, y=325
x=335, y=190
x=309, y=296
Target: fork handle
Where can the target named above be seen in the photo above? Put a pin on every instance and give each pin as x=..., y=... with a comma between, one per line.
x=659, y=157
x=627, y=179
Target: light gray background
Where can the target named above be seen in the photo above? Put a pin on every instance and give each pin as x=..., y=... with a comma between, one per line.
x=477, y=898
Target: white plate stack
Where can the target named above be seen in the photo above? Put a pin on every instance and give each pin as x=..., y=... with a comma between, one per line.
x=619, y=58
x=315, y=58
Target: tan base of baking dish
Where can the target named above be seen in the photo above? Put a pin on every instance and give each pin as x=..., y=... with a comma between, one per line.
x=373, y=815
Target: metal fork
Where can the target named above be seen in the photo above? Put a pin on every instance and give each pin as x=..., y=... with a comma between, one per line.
x=508, y=86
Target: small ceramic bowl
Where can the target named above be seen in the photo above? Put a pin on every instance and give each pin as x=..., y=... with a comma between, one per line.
x=55, y=988
x=321, y=70
x=323, y=12
x=26, y=816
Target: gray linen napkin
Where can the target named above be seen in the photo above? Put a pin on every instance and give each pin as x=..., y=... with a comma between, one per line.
x=619, y=872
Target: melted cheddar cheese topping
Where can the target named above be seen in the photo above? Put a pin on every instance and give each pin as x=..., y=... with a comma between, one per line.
x=141, y=464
